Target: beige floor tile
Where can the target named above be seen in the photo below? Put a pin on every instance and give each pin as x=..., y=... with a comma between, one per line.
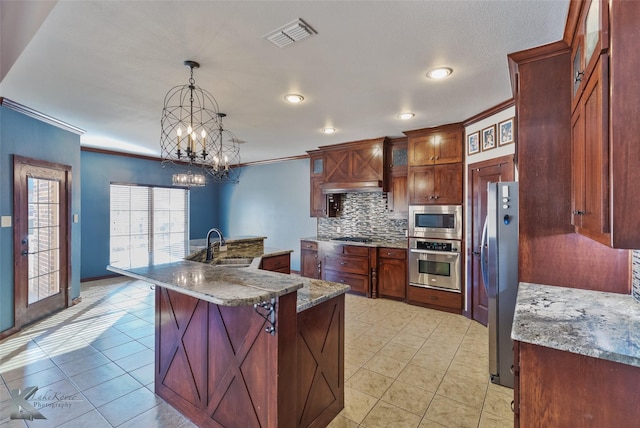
x=382, y=332
x=356, y=356
x=432, y=359
x=342, y=422
x=408, y=340
x=421, y=377
x=472, y=372
x=349, y=370
x=398, y=351
x=369, y=382
x=385, y=365
x=487, y=420
x=385, y=415
x=357, y=404
x=499, y=403
x=451, y=413
x=408, y=397
x=369, y=342
x=426, y=423
x=463, y=390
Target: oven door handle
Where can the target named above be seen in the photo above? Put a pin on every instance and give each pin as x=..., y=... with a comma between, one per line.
x=436, y=253
x=483, y=254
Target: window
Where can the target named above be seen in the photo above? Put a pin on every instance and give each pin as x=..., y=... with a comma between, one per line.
x=149, y=225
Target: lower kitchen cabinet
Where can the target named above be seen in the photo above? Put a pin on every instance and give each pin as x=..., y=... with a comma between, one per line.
x=280, y=263
x=561, y=389
x=392, y=272
x=309, y=261
x=347, y=264
x=447, y=301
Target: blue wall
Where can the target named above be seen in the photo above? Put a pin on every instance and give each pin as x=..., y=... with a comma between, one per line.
x=99, y=170
x=271, y=200
x=29, y=137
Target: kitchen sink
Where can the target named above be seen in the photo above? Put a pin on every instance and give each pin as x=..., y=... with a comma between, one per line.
x=237, y=262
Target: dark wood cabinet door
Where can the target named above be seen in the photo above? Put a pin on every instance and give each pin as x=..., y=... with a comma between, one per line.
x=392, y=272
x=421, y=185
x=367, y=162
x=318, y=200
x=448, y=147
x=398, y=197
x=448, y=184
x=421, y=150
x=280, y=263
x=590, y=164
x=596, y=138
x=309, y=266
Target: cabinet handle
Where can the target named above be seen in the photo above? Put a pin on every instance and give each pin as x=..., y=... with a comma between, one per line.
x=388, y=254
x=431, y=197
x=342, y=263
x=431, y=158
x=579, y=75
x=579, y=212
x=436, y=197
x=513, y=406
x=437, y=157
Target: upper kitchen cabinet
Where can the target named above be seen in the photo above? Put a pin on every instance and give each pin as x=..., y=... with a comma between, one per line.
x=435, y=165
x=396, y=166
x=349, y=167
x=354, y=163
x=605, y=101
x=321, y=204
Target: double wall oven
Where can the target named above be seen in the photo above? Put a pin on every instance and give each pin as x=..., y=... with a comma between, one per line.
x=435, y=240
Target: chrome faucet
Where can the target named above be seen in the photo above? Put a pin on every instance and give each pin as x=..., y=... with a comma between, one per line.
x=209, y=248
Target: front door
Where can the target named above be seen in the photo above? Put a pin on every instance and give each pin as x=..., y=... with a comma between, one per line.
x=481, y=173
x=41, y=238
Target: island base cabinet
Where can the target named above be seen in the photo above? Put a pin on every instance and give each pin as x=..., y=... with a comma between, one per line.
x=219, y=367
x=562, y=389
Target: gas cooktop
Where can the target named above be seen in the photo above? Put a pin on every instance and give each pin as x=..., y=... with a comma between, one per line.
x=352, y=239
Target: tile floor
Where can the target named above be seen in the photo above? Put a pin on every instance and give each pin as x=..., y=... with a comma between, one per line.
x=405, y=366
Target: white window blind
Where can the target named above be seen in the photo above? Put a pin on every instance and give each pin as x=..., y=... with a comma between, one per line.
x=149, y=225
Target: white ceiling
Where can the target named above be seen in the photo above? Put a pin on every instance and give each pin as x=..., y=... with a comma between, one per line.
x=105, y=66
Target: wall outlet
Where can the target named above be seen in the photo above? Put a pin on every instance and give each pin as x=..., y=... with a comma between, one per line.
x=6, y=221
x=338, y=229
x=223, y=248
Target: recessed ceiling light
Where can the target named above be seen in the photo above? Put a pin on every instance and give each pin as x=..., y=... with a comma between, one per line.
x=406, y=116
x=328, y=130
x=439, y=73
x=294, y=98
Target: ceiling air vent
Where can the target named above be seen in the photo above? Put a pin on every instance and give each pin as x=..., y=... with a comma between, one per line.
x=292, y=32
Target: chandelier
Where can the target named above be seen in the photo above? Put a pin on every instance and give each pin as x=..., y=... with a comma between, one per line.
x=193, y=136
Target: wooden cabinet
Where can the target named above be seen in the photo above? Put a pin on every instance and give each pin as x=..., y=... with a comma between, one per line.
x=309, y=261
x=437, y=299
x=280, y=263
x=321, y=204
x=560, y=389
x=435, y=165
x=435, y=185
x=359, y=161
x=347, y=264
x=604, y=102
x=396, y=180
x=392, y=272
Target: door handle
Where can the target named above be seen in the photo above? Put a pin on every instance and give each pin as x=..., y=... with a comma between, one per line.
x=483, y=256
x=475, y=253
x=25, y=252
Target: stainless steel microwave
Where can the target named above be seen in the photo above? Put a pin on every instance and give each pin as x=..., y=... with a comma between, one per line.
x=435, y=221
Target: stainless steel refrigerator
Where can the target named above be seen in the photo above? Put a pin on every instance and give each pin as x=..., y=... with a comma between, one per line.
x=499, y=261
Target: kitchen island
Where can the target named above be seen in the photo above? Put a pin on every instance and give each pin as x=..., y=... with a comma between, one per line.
x=577, y=357
x=242, y=347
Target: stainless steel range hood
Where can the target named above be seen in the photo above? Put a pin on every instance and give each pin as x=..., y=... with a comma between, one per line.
x=351, y=187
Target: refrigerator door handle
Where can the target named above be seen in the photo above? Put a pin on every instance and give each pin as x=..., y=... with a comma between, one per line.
x=483, y=256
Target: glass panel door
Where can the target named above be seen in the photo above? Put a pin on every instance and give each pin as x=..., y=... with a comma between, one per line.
x=43, y=231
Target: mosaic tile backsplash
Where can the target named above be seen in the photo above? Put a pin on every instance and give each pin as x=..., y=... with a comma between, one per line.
x=363, y=214
x=635, y=275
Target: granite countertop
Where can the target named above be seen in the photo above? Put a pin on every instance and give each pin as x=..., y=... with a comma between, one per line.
x=235, y=286
x=219, y=285
x=592, y=323
x=389, y=243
